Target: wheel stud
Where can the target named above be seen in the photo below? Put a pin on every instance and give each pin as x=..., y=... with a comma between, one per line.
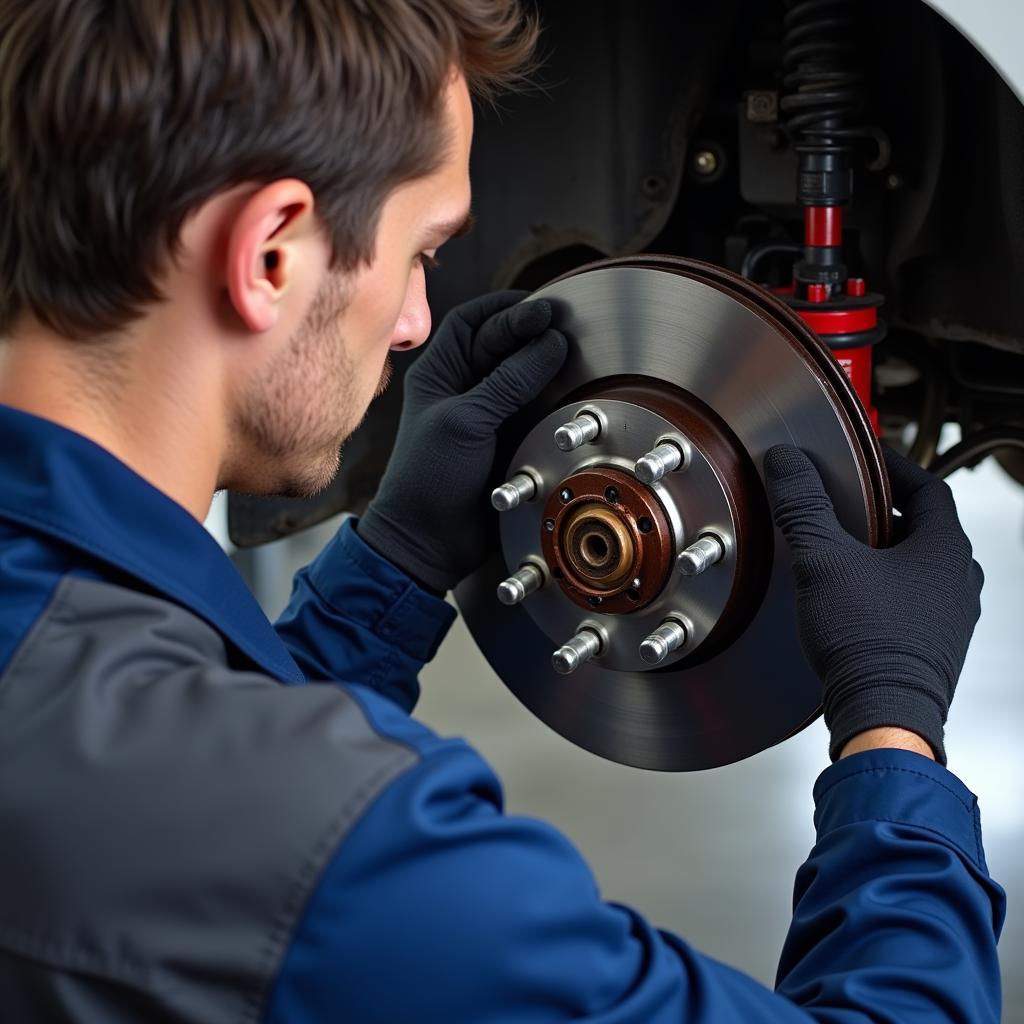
x=659, y=462
x=522, y=487
x=521, y=584
x=581, y=648
x=701, y=555
x=578, y=432
x=668, y=637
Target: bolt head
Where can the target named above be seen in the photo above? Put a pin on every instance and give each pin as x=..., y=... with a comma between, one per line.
x=565, y=494
x=549, y=525
x=705, y=162
x=762, y=107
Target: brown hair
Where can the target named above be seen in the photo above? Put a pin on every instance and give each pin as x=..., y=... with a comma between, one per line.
x=119, y=118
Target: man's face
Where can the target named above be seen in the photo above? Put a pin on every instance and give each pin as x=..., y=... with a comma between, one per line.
x=316, y=390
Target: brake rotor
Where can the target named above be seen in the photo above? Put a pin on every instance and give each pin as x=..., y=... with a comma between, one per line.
x=661, y=590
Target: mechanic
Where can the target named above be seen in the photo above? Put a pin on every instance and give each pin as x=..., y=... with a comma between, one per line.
x=216, y=218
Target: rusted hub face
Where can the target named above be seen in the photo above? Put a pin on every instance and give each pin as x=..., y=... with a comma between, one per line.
x=610, y=542
x=607, y=541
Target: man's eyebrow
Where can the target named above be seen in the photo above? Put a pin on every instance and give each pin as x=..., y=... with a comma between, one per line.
x=447, y=230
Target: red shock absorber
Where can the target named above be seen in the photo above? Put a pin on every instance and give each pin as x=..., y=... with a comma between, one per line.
x=842, y=312
x=838, y=308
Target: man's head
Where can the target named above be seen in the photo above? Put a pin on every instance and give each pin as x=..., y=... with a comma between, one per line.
x=276, y=171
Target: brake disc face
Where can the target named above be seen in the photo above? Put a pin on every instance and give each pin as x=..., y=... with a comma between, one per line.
x=653, y=615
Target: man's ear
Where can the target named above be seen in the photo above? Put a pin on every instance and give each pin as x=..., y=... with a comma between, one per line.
x=270, y=235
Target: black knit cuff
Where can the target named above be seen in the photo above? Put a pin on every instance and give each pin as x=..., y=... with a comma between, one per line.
x=882, y=706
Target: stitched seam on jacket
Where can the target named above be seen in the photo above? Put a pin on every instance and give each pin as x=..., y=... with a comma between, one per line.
x=310, y=874
x=906, y=771
x=409, y=607
x=49, y=611
x=191, y=601
x=977, y=840
x=924, y=828
x=53, y=953
x=383, y=670
x=391, y=591
x=391, y=595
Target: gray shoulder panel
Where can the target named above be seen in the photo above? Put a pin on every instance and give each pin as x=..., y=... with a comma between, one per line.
x=164, y=819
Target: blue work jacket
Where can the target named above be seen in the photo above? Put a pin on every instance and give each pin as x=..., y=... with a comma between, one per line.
x=207, y=817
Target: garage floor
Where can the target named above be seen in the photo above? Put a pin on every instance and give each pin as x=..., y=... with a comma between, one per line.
x=712, y=856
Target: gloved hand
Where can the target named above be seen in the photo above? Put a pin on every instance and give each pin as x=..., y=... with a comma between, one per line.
x=886, y=630
x=488, y=358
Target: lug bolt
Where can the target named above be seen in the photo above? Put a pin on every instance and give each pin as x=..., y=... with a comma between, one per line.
x=549, y=525
x=668, y=637
x=520, y=585
x=566, y=495
x=650, y=468
x=701, y=555
x=582, y=647
x=522, y=487
x=578, y=432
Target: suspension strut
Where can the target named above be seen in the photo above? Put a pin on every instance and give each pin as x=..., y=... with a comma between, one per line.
x=822, y=99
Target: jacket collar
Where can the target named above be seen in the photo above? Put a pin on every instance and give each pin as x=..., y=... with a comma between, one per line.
x=61, y=484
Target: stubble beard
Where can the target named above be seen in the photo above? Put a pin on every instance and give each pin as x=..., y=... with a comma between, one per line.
x=304, y=406
x=386, y=374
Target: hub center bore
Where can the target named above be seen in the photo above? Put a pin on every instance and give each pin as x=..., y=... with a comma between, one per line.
x=598, y=546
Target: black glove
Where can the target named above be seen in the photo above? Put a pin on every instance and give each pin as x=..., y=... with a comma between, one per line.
x=431, y=513
x=886, y=630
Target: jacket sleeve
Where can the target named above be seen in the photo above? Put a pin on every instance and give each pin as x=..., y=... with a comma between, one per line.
x=353, y=615
x=439, y=907
x=894, y=912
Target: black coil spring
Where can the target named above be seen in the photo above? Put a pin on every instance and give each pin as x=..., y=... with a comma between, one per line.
x=823, y=91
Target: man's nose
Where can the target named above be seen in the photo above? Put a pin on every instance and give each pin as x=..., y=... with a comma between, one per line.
x=413, y=327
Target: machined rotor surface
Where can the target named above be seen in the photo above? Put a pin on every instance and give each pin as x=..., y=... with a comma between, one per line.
x=743, y=375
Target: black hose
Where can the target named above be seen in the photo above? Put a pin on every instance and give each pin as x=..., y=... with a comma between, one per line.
x=755, y=255
x=975, y=447
x=933, y=413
